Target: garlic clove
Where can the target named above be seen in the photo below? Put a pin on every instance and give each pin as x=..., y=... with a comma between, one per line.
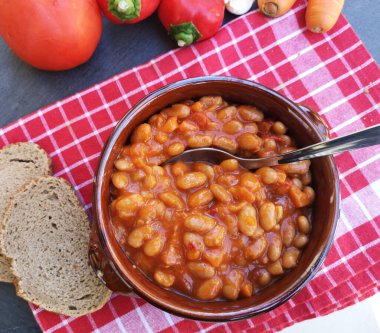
x=238, y=7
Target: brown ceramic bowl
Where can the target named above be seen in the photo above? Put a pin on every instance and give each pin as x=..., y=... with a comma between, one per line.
x=118, y=272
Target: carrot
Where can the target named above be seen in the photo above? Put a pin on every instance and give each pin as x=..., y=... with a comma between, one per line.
x=321, y=15
x=274, y=8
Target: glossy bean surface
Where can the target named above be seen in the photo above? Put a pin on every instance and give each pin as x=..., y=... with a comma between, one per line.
x=212, y=232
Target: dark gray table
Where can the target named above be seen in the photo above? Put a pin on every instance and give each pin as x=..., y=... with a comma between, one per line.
x=24, y=90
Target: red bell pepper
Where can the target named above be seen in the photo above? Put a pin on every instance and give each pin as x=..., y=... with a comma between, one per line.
x=189, y=21
x=128, y=11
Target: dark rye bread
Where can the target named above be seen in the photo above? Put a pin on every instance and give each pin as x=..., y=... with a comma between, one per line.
x=46, y=233
x=19, y=164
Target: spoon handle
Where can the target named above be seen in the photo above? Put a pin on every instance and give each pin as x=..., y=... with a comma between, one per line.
x=367, y=137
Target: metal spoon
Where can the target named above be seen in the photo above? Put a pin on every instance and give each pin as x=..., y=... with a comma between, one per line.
x=367, y=137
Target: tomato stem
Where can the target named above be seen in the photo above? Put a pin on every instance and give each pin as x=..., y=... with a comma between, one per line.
x=184, y=33
x=125, y=9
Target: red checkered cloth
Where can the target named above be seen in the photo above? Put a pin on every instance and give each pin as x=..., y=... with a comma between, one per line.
x=331, y=72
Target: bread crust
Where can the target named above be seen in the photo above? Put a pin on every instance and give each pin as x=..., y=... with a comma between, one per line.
x=5, y=261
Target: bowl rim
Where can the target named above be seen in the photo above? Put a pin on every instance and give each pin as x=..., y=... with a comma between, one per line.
x=97, y=209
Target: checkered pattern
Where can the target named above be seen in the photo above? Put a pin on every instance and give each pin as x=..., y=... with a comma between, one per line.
x=332, y=73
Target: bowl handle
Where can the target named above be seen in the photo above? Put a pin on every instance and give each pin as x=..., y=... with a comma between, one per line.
x=317, y=120
x=103, y=267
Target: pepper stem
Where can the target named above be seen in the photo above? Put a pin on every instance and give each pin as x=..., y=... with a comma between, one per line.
x=184, y=33
x=184, y=38
x=124, y=5
x=125, y=10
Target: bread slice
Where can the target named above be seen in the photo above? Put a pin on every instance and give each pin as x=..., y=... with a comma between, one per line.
x=19, y=164
x=46, y=233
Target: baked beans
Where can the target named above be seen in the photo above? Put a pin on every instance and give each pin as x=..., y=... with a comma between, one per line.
x=212, y=232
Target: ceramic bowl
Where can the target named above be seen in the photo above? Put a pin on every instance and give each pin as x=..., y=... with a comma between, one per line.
x=116, y=270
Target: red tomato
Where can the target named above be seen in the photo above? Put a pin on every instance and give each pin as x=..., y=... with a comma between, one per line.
x=188, y=21
x=128, y=11
x=201, y=119
x=51, y=34
x=275, y=137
